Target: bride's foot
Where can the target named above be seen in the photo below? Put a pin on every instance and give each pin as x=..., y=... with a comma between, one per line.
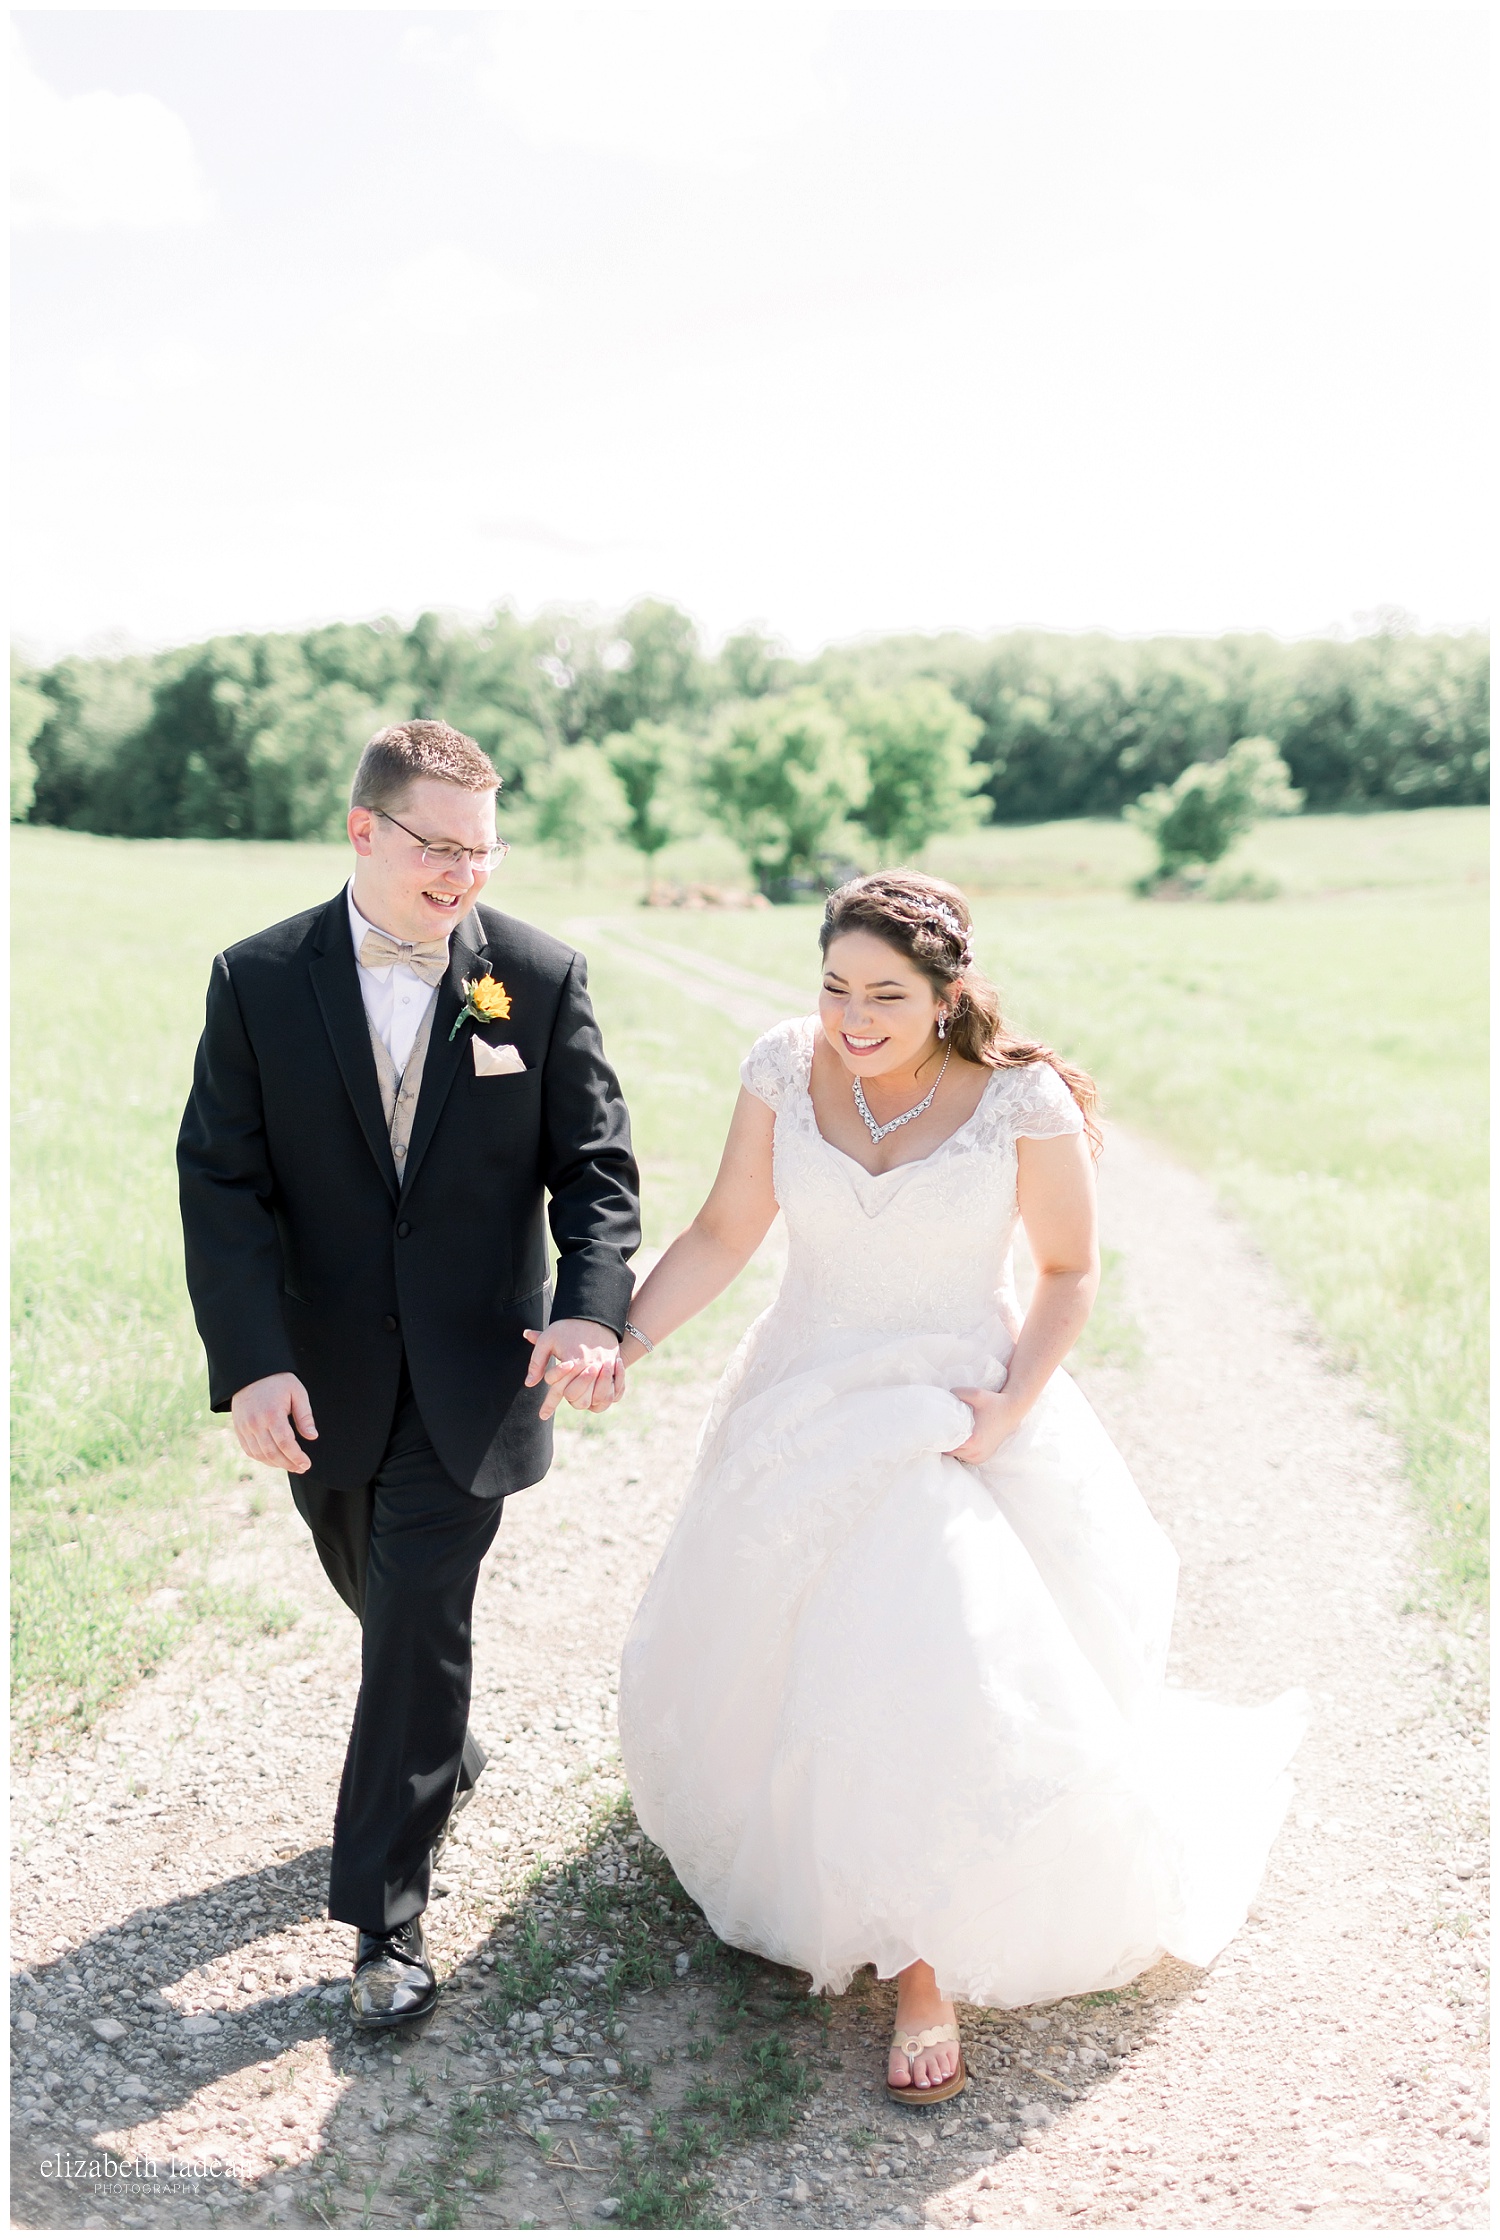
x=921, y=2010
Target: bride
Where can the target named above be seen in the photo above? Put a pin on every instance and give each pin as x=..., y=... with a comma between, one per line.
x=895, y=1693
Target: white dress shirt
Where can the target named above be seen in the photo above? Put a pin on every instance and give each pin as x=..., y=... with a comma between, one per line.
x=396, y=998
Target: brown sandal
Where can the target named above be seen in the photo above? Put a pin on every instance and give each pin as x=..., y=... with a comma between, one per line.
x=927, y=2095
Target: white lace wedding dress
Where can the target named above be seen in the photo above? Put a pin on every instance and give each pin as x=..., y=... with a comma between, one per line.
x=878, y=1705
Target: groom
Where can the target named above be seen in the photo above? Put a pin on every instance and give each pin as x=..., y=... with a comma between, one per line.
x=387, y=1090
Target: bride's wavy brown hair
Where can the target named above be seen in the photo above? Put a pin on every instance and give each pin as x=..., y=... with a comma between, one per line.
x=930, y=924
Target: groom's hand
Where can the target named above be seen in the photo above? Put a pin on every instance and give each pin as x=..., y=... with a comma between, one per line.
x=263, y=1415
x=580, y=1363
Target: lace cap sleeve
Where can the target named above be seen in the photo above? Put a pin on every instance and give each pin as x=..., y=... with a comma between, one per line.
x=1042, y=1104
x=777, y=1062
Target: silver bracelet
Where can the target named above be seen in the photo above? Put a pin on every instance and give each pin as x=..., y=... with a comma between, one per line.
x=639, y=1336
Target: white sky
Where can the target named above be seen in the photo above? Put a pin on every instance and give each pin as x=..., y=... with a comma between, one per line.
x=837, y=321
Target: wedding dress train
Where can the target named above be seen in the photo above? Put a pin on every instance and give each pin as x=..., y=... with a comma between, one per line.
x=878, y=1705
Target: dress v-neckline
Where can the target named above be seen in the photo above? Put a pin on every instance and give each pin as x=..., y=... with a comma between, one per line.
x=901, y=1166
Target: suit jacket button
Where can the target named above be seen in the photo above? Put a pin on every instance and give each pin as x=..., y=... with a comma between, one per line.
x=403, y=1228
x=391, y=1322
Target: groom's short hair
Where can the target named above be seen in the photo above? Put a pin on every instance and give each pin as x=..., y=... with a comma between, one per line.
x=424, y=748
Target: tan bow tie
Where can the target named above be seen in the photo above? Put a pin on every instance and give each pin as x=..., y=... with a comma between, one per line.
x=427, y=959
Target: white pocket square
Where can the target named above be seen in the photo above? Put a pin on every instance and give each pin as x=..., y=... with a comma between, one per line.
x=497, y=1057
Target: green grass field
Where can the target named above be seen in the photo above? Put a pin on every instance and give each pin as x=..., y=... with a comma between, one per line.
x=1321, y=1057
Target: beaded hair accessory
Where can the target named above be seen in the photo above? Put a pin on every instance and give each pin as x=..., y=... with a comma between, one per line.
x=949, y=921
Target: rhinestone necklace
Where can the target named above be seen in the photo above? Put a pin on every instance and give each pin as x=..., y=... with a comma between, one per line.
x=877, y=1131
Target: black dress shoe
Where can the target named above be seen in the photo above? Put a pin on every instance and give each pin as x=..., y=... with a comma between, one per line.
x=393, y=1978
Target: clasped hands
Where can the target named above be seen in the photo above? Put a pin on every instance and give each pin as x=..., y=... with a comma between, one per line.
x=579, y=1362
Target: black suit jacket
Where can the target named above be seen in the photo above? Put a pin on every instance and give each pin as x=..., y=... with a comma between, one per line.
x=303, y=1251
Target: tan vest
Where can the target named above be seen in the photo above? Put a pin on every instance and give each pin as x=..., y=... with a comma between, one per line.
x=399, y=1091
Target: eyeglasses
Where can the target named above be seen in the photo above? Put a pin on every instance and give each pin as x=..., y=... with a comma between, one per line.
x=447, y=855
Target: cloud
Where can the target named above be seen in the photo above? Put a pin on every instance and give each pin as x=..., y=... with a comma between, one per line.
x=123, y=377
x=529, y=532
x=701, y=91
x=448, y=289
x=84, y=162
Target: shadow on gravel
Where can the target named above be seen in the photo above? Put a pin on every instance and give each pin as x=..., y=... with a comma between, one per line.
x=599, y=2057
x=128, y=2054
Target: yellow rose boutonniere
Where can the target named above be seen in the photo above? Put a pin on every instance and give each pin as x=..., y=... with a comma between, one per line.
x=483, y=999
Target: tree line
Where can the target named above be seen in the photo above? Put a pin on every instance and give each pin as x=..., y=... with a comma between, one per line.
x=630, y=725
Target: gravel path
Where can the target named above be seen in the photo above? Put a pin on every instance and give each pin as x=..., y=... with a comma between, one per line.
x=180, y=2053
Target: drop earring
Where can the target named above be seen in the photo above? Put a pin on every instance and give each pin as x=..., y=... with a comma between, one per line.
x=942, y=1026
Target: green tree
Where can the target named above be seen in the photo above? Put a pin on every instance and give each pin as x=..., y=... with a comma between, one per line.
x=651, y=761
x=373, y=657
x=648, y=667
x=84, y=750
x=783, y=778
x=1209, y=805
x=915, y=741
x=301, y=764
x=487, y=682
x=193, y=761
x=576, y=802
x=664, y=676
x=210, y=738
x=29, y=710
x=749, y=666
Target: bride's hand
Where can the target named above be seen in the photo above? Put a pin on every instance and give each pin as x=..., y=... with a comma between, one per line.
x=996, y=1416
x=579, y=1362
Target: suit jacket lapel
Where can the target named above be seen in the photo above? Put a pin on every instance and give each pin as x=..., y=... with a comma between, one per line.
x=335, y=980
x=467, y=960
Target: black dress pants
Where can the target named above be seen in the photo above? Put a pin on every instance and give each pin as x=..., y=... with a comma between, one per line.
x=404, y=1552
